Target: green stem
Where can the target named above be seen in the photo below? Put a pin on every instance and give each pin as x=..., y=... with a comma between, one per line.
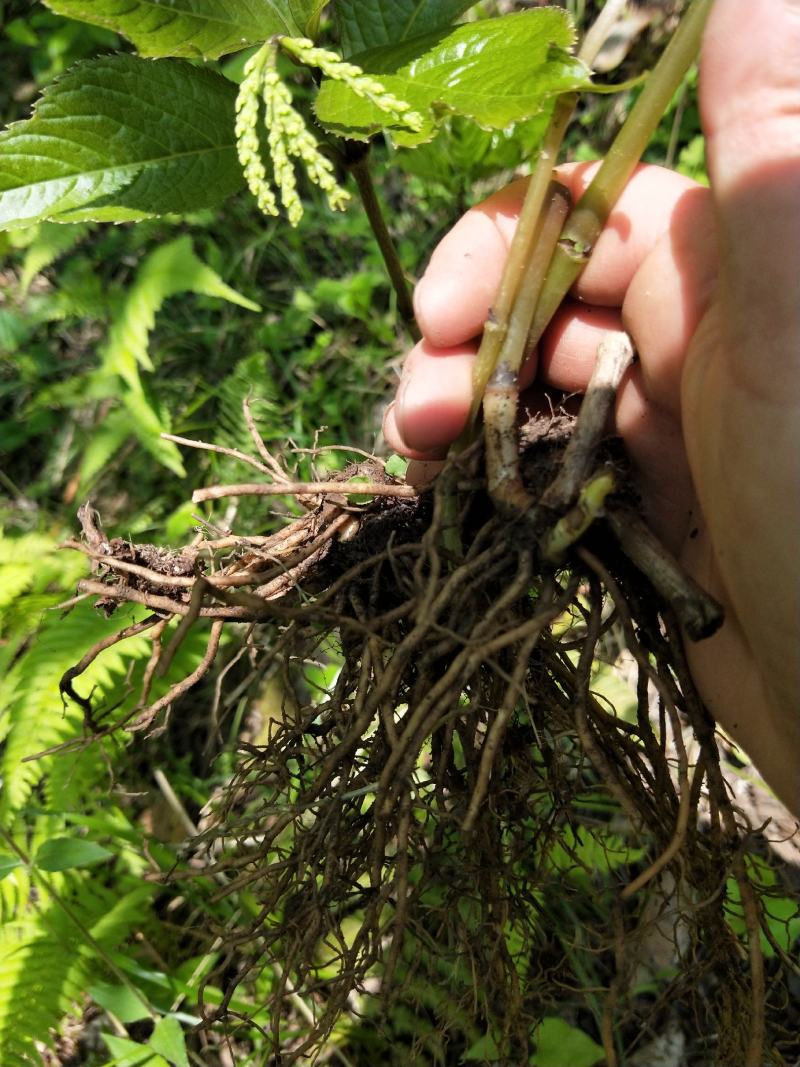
x=359, y=167
x=525, y=237
x=501, y=395
x=589, y=216
x=495, y=329
x=551, y=221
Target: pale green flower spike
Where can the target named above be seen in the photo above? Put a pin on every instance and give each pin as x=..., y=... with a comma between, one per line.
x=354, y=78
x=281, y=121
x=247, y=145
x=288, y=138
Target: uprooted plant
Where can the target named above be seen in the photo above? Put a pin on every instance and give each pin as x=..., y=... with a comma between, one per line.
x=414, y=801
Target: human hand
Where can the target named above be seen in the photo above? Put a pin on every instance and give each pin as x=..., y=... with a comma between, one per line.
x=707, y=283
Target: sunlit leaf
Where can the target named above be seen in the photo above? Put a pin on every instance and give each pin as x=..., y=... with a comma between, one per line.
x=174, y=268
x=558, y=1044
x=66, y=853
x=171, y=269
x=120, y=1000
x=50, y=243
x=168, y=1040
x=496, y=72
x=120, y=138
x=396, y=466
x=462, y=153
x=128, y=1053
x=104, y=443
x=484, y=1049
x=193, y=27
x=8, y=863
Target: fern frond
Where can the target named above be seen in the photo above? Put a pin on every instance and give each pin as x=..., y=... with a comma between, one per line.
x=46, y=962
x=38, y=986
x=31, y=564
x=52, y=241
x=248, y=379
x=171, y=269
x=31, y=710
x=15, y=891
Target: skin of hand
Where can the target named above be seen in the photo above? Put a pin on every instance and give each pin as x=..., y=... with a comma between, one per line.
x=707, y=282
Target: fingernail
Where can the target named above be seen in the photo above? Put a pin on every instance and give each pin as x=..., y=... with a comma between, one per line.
x=427, y=423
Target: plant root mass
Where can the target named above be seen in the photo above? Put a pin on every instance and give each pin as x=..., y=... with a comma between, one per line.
x=404, y=826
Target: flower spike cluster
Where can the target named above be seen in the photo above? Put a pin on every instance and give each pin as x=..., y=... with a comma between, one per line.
x=247, y=143
x=336, y=68
x=288, y=137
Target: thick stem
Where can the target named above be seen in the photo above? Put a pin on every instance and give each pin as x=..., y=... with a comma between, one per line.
x=507, y=345
x=587, y=220
x=501, y=393
x=495, y=330
x=359, y=167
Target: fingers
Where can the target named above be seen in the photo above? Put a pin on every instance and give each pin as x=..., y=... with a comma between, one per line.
x=663, y=302
x=750, y=102
x=669, y=295
x=433, y=400
x=653, y=200
x=749, y=93
x=453, y=298
x=568, y=350
x=654, y=442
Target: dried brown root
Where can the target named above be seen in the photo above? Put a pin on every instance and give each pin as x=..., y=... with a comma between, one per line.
x=397, y=826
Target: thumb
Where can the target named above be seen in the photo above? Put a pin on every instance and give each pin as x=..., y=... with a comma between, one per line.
x=750, y=104
x=750, y=92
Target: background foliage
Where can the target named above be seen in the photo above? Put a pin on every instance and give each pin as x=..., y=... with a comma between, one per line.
x=109, y=335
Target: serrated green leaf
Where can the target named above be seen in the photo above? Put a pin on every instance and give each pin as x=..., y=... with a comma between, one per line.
x=365, y=24
x=559, y=1044
x=120, y=138
x=167, y=1039
x=205, y=28
x=66, y=853
x=495, y=72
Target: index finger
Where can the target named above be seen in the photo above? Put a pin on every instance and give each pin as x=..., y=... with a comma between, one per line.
x=453, y=298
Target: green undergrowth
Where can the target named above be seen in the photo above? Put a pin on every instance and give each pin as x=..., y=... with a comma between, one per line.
x=110, y=335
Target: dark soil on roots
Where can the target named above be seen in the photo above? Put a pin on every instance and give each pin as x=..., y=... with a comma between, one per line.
x=407, y=835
